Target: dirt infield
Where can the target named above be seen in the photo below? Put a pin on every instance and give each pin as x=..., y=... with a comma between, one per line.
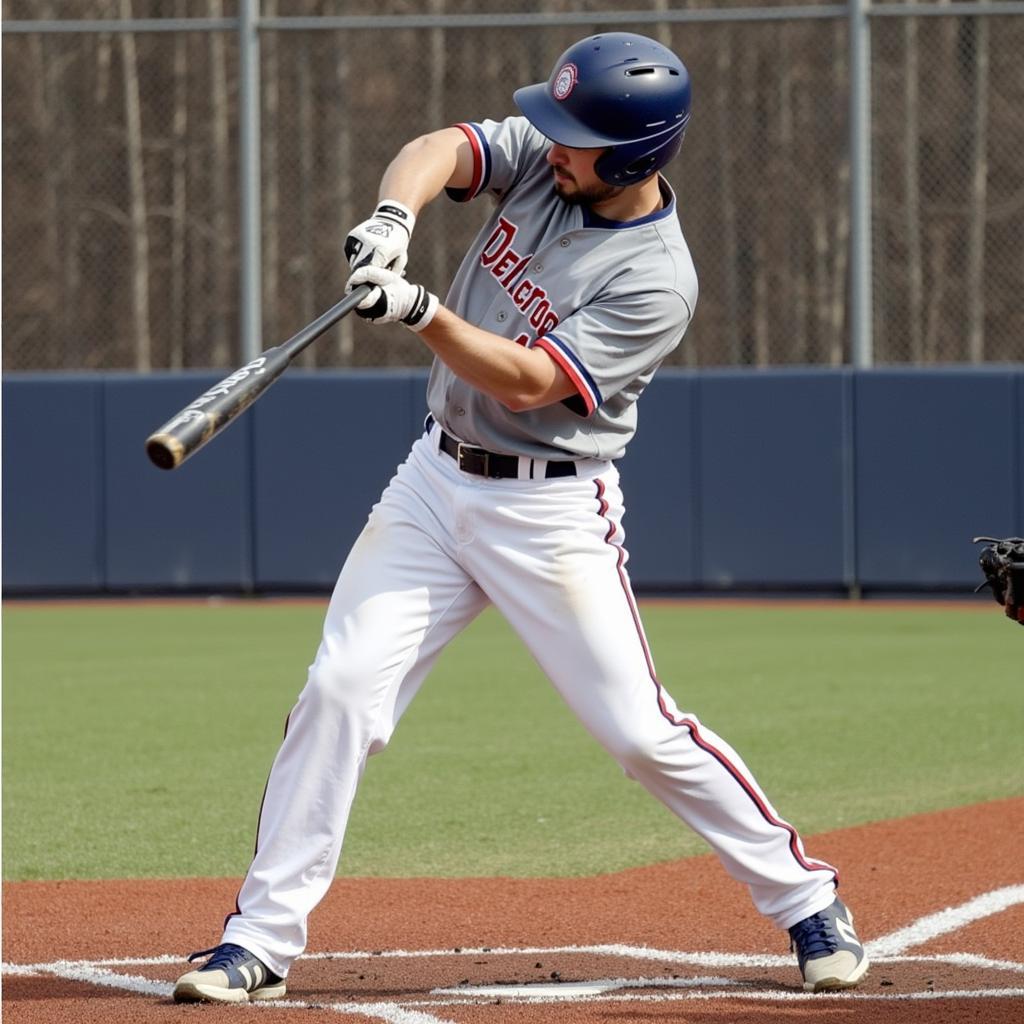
x=938, y=897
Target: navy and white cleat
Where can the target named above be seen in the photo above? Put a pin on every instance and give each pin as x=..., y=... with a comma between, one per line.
x=231, y=975
x=828, y=951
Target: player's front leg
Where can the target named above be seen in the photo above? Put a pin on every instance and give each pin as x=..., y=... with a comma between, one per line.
x=399, y=599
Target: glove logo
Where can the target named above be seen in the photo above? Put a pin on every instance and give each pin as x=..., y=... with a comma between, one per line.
x=384, y=230
x=565, y=81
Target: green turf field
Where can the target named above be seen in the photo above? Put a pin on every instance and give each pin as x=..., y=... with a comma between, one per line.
x=137, y=738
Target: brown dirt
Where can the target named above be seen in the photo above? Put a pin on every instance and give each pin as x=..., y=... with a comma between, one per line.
x=893, y=873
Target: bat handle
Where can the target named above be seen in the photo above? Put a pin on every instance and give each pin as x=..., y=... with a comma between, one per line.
x=297, y=342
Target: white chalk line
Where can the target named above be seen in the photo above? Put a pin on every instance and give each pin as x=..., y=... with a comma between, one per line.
x=635, y=952
x=949, y=920
x=408, y=1012
x=532, y=991
x=111, y=979
x=391, y=1013
x=91, y=973
x=885, y=949
x=758, y=995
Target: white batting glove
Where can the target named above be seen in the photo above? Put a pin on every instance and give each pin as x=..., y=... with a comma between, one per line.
x=383, y=240
x=393, y=300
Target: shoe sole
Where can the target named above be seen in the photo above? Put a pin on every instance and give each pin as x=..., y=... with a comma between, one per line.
x=191, y=993
x=838, y=984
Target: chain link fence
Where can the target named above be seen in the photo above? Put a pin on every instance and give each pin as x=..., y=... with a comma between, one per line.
x=948, y=142
x=121, y=213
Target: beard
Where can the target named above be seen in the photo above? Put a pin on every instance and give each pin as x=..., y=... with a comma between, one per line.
x=570, y=192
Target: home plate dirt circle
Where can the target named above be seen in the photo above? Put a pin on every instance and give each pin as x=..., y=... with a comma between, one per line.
x=939, y=900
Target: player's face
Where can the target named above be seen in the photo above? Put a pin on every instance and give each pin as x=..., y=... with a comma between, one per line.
x=575, y=180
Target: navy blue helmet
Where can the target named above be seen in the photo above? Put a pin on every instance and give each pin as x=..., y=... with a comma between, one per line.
x=616, y=90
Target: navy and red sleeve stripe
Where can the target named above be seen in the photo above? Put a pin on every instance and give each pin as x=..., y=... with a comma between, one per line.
x=481, y=163
x=588, y=392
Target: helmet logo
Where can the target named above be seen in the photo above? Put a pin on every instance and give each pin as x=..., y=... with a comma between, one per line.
x=565, y=81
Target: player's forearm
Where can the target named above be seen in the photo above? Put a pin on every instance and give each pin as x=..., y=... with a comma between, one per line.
x=422, y=168
x=520, y=378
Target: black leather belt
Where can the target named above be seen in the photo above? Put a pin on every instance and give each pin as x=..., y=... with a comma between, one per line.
x=481, y=462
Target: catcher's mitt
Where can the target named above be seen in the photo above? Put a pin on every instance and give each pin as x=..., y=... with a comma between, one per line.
x=1002, y=562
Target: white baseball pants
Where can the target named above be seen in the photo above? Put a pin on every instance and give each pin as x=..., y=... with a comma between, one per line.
x=439, y=547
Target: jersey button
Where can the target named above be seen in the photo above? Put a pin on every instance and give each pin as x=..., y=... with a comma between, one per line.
x=538, y=267
x=565, y=243
x=501, y=317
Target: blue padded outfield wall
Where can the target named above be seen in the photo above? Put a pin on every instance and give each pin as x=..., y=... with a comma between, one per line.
x=812, y=480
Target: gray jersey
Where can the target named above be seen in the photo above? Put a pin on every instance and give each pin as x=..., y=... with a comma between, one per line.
x=607, y=301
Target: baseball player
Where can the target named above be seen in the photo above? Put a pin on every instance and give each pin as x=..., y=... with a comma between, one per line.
x=575, y=290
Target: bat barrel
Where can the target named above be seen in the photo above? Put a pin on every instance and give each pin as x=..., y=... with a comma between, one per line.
x=181, y=437
x=213, y=410
x=170, y=445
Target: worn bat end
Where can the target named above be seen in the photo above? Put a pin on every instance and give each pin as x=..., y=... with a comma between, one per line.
x=165, y=450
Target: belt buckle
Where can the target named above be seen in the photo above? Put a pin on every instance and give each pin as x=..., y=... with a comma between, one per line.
x=473, y=460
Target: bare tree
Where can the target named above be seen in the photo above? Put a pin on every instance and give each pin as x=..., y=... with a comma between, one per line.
x=104, y=54
x=938, y=252
x=941, y=236
x=220, y=160
x=305, y=262
x=760, y=216
x=912, y=185
x=435, y=119
x=343, y=183
x=841, y=242
x=819, y=228
x=762, y=301
x=727, y=190
x=270, y=75
x=977, y=208
x=662, y=29
x=44, y=124
x=54, y=112
x=137, y=196
x=179, y=195
x=199, y=242
x=788, y=325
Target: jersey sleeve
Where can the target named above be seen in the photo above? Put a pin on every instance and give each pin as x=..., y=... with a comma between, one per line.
x=502, y=151
x=607, y=347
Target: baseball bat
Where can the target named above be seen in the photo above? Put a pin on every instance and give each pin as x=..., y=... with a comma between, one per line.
x=203, y=419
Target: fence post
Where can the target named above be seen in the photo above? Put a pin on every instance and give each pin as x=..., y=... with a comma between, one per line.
x=861, y=344
x=251, y=303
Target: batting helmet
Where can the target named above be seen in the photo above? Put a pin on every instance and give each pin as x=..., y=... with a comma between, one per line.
x=618, y=90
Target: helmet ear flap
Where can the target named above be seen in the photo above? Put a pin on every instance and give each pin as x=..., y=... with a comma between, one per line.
x=633, y=162
x=613, y=173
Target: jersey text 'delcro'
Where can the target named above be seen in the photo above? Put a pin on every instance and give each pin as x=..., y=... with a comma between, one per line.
x=506, y=265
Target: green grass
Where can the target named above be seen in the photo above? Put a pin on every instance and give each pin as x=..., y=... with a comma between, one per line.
x=137, y=738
